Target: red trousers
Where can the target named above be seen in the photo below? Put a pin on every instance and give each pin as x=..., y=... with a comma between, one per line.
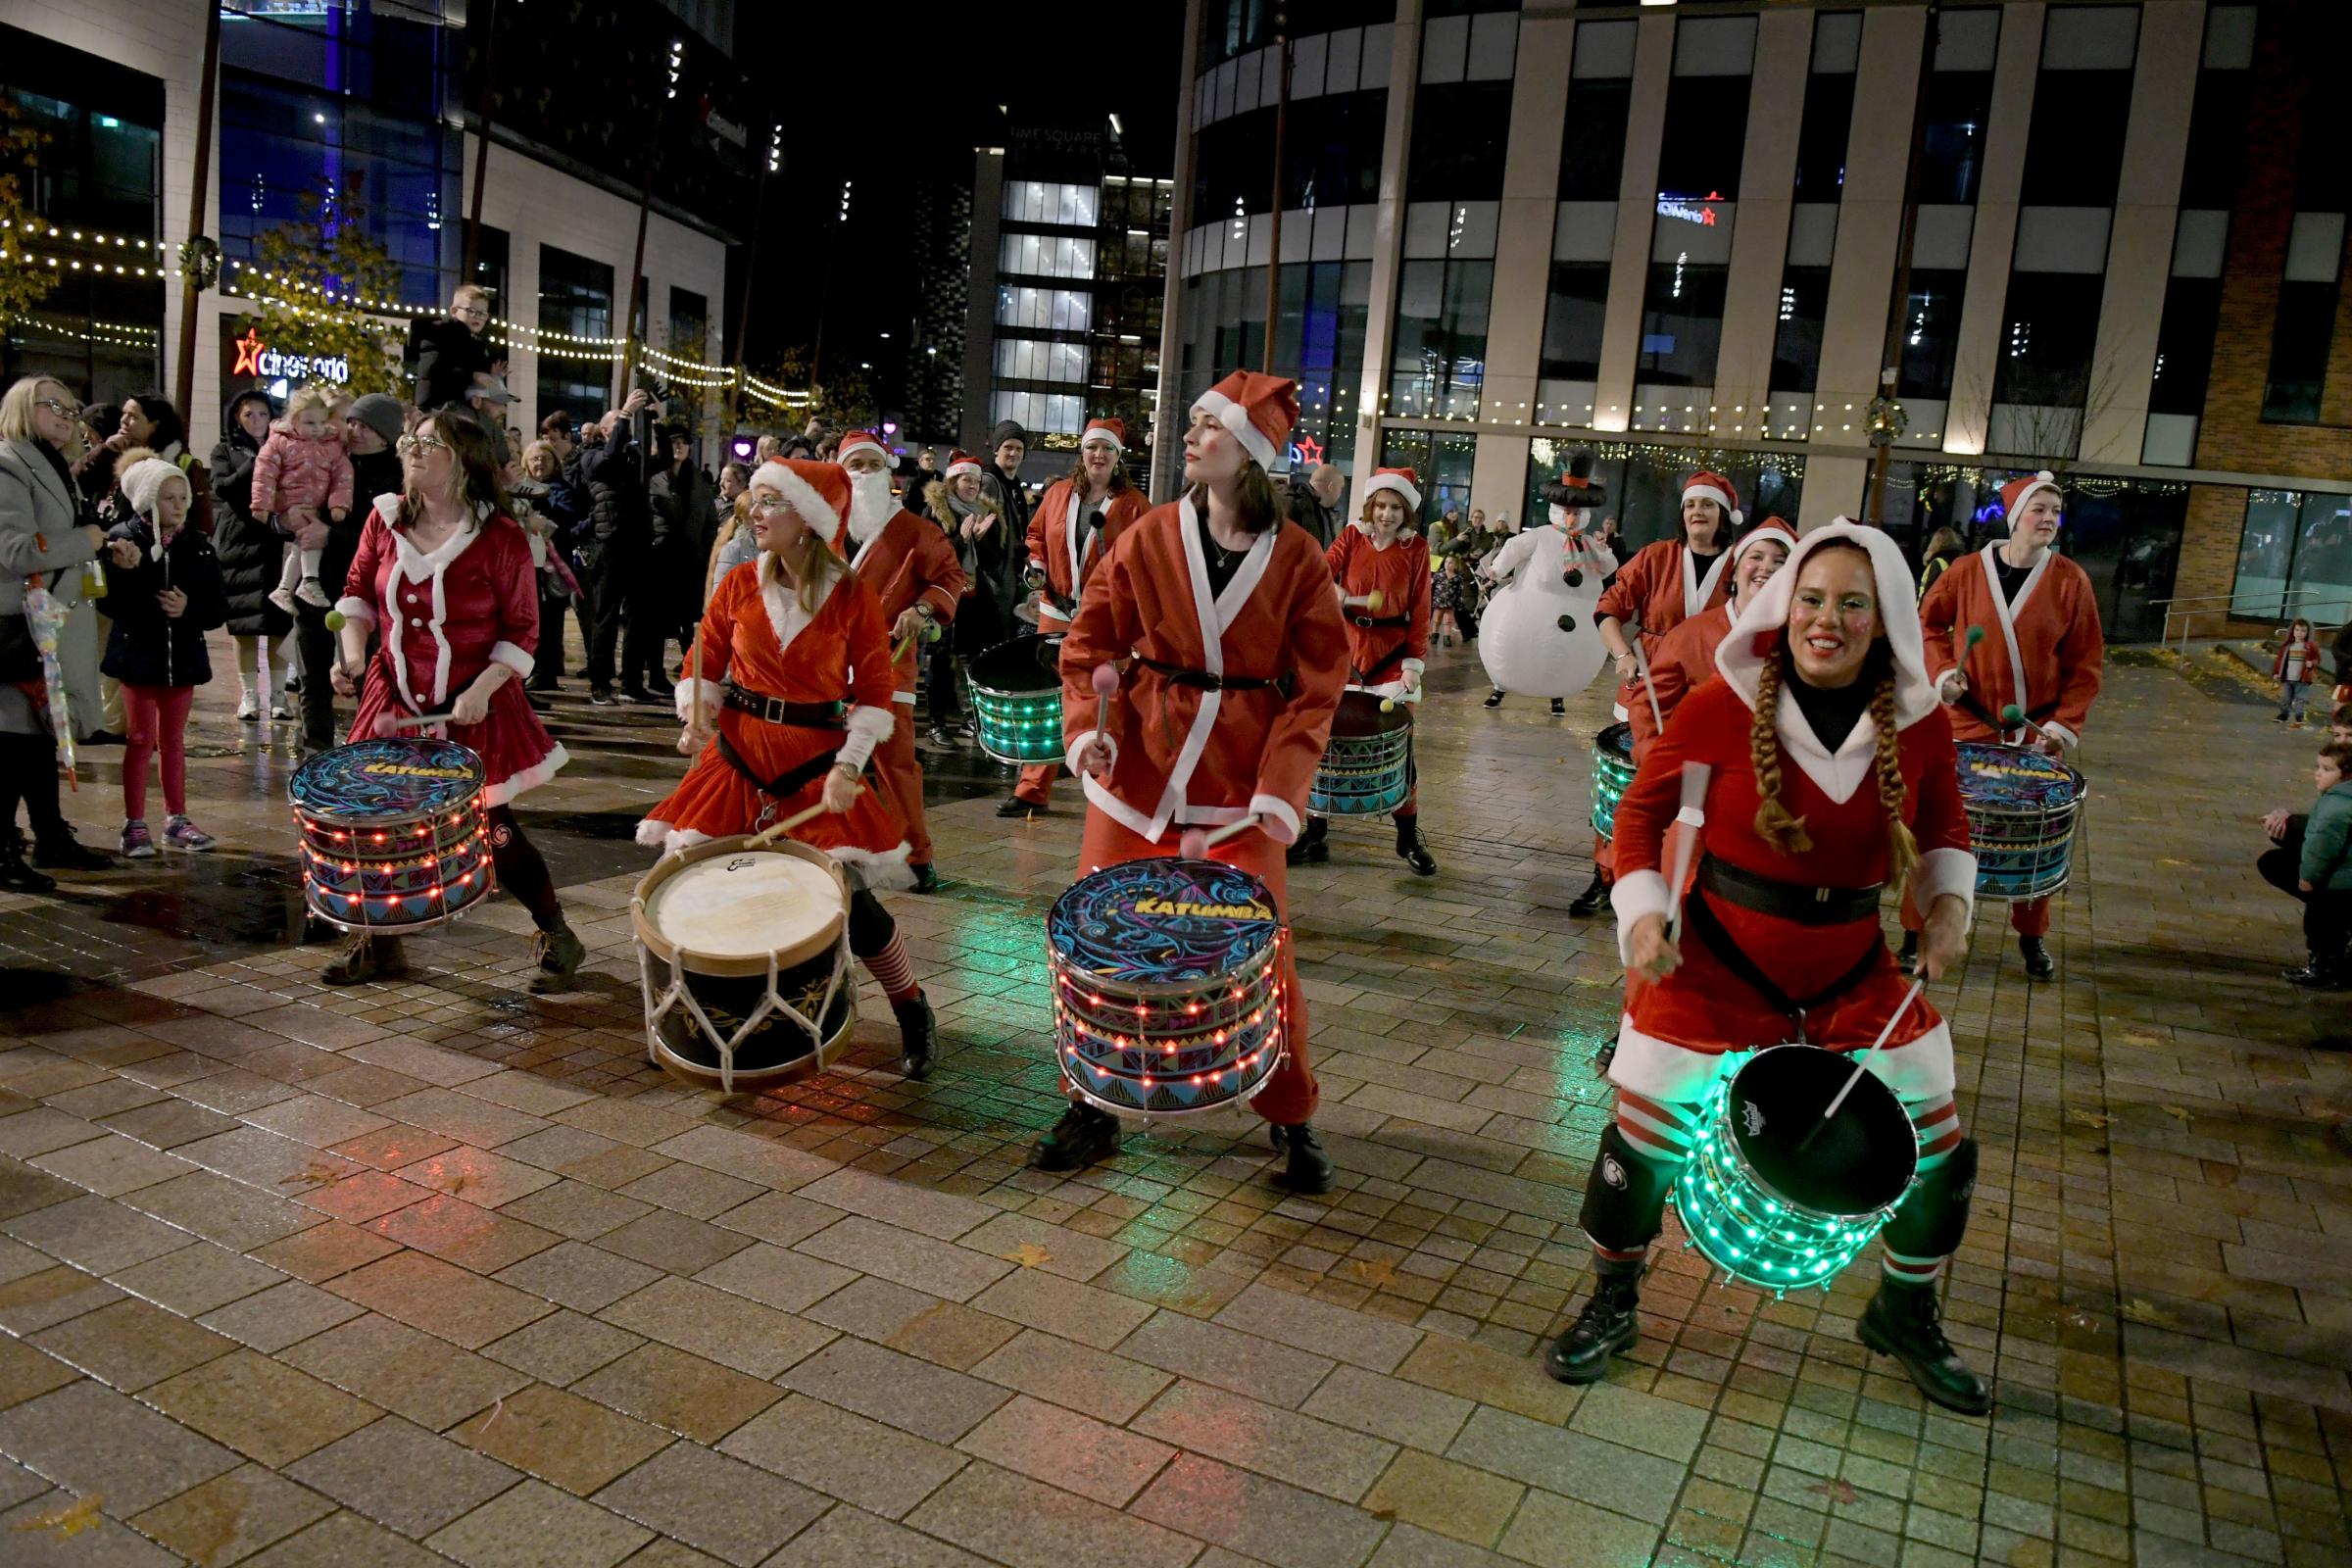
x=1037, y=782
x=2029, y=918
x=899, y=780
x=155, y=719
x=1290, y=1094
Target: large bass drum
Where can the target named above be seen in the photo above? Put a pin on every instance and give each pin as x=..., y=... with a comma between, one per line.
x=391, y=834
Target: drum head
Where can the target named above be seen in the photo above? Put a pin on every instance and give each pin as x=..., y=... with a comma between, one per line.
x=728, y=906
x=1859, y=1163
x=394, y=780
x=1023, y=665
x=1162, y=922
x=2015, y=778
x=1359, y=715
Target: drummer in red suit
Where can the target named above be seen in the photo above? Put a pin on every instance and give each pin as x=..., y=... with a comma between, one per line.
x=1388, y=647
x=913, y=572
x=1685, y=657
x=443, y=576
x=1831, y=773
x=1072, y=529
x=2043, y=651
x=1220, y=615
x=1663, y=585
x=793, y=665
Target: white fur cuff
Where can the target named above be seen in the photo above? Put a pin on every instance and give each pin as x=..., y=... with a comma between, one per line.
x=868, y=728
x=2061, y=734
x=1412, y=670
x=1635, y=895
x=1273, y=808
x=1948, y=685
x=711, y=691
x=1078, y=746
x=355, y=609
x=1945, y=873
x=513, y=658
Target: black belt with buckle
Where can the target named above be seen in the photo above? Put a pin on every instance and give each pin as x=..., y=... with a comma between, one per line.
x=776, y=710
x=1207, y=682
x=1789, y=900
x=1380, y=622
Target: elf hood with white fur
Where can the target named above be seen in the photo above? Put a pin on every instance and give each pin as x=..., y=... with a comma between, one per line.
x=1758, y=633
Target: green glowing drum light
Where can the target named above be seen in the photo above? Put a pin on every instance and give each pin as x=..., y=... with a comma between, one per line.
x=1016, y=700
x=1775, y=1196
x=1612, y=775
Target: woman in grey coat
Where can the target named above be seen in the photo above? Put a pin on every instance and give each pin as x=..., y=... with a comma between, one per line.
x=42, y=530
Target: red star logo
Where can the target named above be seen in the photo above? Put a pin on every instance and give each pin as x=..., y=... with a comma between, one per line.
x=248, y=353
x=1309, y=450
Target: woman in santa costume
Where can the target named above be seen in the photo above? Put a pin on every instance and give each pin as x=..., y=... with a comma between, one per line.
x=1220, y=615
x=1685, y=659
x=1831, y=773
x=1070, y=533
x=1388, y=647
x=792, y=666
x=443, y=576
x=1665, y=584
x=913, y=572
x=2041, y=650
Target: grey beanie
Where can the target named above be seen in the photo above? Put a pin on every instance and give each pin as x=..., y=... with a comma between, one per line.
x=382, y=414
x=1007, y=430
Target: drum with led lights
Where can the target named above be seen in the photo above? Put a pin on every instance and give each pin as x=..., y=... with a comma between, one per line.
x=1016, y=700
x=1167, y=986
x=392, y=834
x=2022, y=809
x=743, y=956
x=1367, y=766
x=1612, y=773
x=1773, y=1195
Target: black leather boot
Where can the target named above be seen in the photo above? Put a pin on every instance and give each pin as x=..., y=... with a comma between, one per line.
x=1083, y=1136
x=1495, y=697
x=364, y=959
x=1606, y=1326
x=1902, y=1321
x=1313, y=847
x=2037, y=954
x=1593, y=898
x=1308, y=1170
x=926, y=880
x=918, y=1036
x=1411, y=850
x=558, y=953
x=58, y=849
x=14, y=876
x=2316, y=975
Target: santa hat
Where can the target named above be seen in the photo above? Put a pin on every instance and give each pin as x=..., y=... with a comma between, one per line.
x=817, y=491
x=961, y=462
x=1113, y=431
x=143, y=481
x=865, y=438
x=1756, y=635
x=1259, y=410
x=1770, y=529
x=2019, y=490
x=1576, y=489
x=1403, y=481
x=1711, y=486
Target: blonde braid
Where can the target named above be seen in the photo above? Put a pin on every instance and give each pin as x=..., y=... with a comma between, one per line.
x=1902, y=848
x=1774, y=825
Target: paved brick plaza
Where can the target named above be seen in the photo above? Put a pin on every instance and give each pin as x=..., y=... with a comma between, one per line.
x=439, y=1271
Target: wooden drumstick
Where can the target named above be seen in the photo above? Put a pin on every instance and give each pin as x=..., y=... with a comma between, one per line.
x=1106, y=687
x=1868, y=1057
x=1370, y=600
x=1657, y=715
x=386, y=723
x=788, y=824
x=1195, y=843
x=1690, y=819
x=2015, y=718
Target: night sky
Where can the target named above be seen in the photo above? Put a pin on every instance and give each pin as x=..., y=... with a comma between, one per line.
x=927, y=98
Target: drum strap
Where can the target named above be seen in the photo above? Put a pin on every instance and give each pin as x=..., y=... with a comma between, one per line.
x=1363, y=675
x=1207, y=682
x=784, y=785
x=1709, y=930
x=1789, y=900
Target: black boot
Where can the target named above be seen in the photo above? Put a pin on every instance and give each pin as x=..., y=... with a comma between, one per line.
x=1411, y=850
x=1560, y=707
x=1909, y=955
x=2037, y=954
x=1605, y=1326
x=1595, y=895
x=2316, y=974
x=1308, y=1171
x=1314, y=844
x=557, y=953
x=926, y=880
x=58, y=849
x=364, y=959
x=1901, y=1321
x=1083, y=1136
x=14, y=876
x=1495, y=697
x=1603, y=1057
x=918, y=1036
x=1014, y=805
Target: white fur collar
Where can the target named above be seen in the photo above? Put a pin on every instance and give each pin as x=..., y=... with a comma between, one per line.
x=782, y=602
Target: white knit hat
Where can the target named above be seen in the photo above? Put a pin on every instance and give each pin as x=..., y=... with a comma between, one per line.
x=145, y=479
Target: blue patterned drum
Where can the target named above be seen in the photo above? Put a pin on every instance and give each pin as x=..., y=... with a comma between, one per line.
x=2022, y=809
x=392, y=836
x=1167, y=986
x=1367, y=767
x=1612, y=775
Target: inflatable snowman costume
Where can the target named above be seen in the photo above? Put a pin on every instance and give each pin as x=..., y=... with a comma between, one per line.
x=1540, y=636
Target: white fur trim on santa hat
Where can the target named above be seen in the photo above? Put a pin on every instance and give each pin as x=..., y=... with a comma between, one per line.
x=2043, y=480
x=802, y=496
x=1733, y=516
x=1898, y=607
x=964, y=466
x=1777, y=531
x=1398, y=483
x=865, y=438
x=1103, y=434
x=1234, y=417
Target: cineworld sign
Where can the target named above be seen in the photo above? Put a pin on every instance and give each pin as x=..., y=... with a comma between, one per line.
x=256, y=358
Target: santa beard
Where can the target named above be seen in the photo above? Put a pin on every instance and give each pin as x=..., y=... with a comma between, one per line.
x=870, y=504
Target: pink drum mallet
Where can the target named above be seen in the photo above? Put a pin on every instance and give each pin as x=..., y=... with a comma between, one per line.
x=389, y=725
x=1195, y=843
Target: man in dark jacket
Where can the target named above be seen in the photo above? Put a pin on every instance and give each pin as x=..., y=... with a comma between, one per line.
x=450, y=354
x=1000, y=482
x=1314, y=498
x=683, y=528
x=615, y=557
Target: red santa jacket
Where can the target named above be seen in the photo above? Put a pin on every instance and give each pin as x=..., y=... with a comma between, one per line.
x=908, y=563
x=1183, y=752
x=1054, y=547
x=1662, y=586
x=1683, y=662
x=2045, y=652
x=1388, y=647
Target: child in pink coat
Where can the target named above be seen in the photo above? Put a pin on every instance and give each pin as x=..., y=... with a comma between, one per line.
x=303, y=468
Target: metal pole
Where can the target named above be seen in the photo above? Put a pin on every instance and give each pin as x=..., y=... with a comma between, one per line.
x=743, y=311
x=1282, y=115
x=1899, y=308
x=183, y=384
x=482, y=150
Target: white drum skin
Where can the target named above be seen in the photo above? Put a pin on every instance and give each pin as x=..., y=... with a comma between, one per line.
x=745, y=906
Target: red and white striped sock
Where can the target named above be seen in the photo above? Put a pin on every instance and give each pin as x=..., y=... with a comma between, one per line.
x=1937, y=1121
x=1903, y=1270
x=893, y=970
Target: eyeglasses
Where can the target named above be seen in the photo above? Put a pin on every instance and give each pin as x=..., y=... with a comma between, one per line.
x=411, y=445
x=771, y=503
x=64, y=411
